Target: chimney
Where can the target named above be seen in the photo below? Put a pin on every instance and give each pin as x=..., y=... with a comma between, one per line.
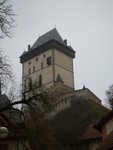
x=65, y=42
x=84, y=87
x=29, y=47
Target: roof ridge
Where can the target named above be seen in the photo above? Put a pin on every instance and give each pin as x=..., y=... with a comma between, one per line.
x=50, y=35
x=48, y=32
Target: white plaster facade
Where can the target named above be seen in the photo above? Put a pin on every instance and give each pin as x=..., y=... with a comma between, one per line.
x=109, y=127
x=61, y=64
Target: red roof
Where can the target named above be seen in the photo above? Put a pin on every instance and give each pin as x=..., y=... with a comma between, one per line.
x=91, y=133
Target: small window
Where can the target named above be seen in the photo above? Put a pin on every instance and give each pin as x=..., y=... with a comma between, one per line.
x=30, y=84
x=49, y=60
x=36, y=59
x=29, y=71
x=42, y=65
x=44, y=55
x=33, y=68
x=40, y=80
x=29, y=62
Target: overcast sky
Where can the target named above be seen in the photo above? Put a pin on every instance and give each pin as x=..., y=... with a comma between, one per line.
x=86, y=24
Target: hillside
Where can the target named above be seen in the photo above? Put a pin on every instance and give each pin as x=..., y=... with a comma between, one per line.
x=70, y=124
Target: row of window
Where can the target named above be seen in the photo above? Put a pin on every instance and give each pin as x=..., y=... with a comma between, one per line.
x=48, y=63
x=37, y=59
x=29, y=83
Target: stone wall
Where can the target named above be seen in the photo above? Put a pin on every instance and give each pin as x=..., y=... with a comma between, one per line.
x=87, y=94
x=62, y=96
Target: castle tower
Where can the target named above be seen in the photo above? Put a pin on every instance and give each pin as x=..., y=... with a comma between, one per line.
x=49, y=59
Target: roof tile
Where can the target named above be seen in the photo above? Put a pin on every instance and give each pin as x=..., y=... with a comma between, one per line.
x=52, y=34
x=91, y=133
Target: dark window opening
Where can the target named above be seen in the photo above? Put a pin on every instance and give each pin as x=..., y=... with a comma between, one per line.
x=33, y=68
x=29, y=62
x=44, y=55
x=40, y=80
x=42, y=65
x=36, y=59
x=30, y=84
x=49, y=60
x=29, y=70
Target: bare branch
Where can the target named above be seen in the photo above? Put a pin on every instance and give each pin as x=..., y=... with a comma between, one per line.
x=6, y=74
x=109, y=94
x=6, y=19
x=28, y=101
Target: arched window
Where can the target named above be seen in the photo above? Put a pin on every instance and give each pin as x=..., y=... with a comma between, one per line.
x=28, y=83
x=33, y=68
x=29, y=71
x=41, y=65
x=40, y=80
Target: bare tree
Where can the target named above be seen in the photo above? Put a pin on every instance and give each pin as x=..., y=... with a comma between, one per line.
x=8, y=85
x=30, y=93
x=39, y=131
x=6, y=25
x=34, y=96
x=6, y=18
x=109, y=94
x=6, y=74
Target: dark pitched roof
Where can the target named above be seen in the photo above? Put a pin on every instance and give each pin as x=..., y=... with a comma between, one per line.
x=52, y=34
x=59, y=79
x=91, y=133
x=51, y=39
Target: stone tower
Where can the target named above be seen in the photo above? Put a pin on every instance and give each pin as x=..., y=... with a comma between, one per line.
x=49, y=59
